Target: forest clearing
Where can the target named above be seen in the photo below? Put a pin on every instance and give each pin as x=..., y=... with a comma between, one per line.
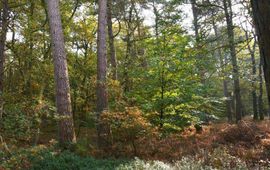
x=134, y=84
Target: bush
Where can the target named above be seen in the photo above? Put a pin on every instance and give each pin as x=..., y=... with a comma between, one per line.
x=69, y=161
x=41, y=157
x=18, y=124
x=22, y=121
x=125, y=127
x=244, y=132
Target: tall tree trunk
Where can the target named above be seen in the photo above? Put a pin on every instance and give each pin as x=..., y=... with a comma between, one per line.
x=63, y=101
x=254, y=94
x=230, y=31
x=251, y=50
x=102, y=97
x=161, y=71
x=261, y=15
x=260, y=98
x=196, y=25
x=225, y=83
x=127, y=62
x=156, y=13
x=195, y=19
x=112, y=53
x=3, y=35
x=28, y=62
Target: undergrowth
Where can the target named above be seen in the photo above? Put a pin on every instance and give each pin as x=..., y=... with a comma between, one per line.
x=242, y=146
x=41, y=157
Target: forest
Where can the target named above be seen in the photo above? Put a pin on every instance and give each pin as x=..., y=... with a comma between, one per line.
x=134, y=84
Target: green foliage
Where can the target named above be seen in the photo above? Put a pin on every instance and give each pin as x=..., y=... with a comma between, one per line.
x=125, y=127
x=166, y=79
x=44, y=158
x=19, y=124
x=69, y=161
x=41, y=157
x=23, y=121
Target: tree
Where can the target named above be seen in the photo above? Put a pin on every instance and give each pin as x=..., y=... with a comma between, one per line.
x=230, y=32
x=261, y=15
x=63, y=101
x=112, y=53
x=252, y=50
x=102, y=96
x=3, y=35
x=195, y=19
x=260, y=97
x=224, y=74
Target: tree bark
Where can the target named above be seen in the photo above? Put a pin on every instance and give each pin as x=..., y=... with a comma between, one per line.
x=102, y=96
x=254, y=94
x=195, y=20
x=28, y=63
x=129, y=44
x=230, y=32
x=260, y=97
x=225, y=83
x=251, y=50
x=201, y=66
x=112, y=53
x=261, y=16
x=63, y=101
x=3, y=35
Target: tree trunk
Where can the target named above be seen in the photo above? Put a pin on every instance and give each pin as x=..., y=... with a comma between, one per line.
x=195, y=12
x=195, y=20
x=230, y=32
x=28, y=63
x=254, y=94
x=251, y=50
x=260, y=98
x=261, y=15
x=127, y=62
x=63, y=101
x=225, y=83
x=102, y=97
x=3, y=35
x=112, y=53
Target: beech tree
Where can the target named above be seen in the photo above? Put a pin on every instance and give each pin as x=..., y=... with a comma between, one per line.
x=63, y=101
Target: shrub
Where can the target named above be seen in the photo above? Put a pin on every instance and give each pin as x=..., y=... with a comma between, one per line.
x=125, y=127
x=41, y=157
x=244, y=132
x=18, y=124
x=69, y=161
x=22, y=121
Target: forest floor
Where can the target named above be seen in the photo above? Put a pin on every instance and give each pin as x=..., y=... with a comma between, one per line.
x=244, y=145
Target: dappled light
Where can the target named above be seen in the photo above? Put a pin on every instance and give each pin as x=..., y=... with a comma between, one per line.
x=134, y=84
